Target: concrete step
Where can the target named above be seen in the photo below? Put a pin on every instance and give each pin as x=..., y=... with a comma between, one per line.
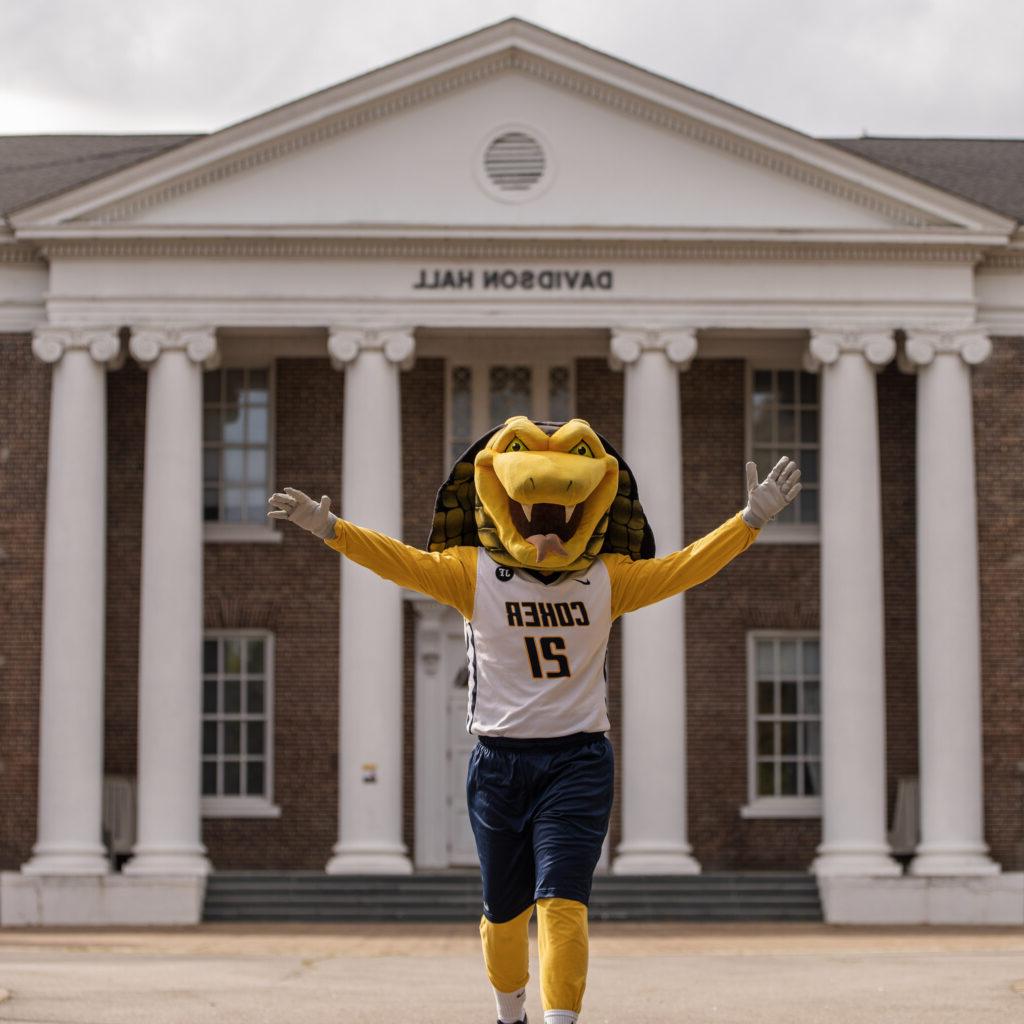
x=455, y=896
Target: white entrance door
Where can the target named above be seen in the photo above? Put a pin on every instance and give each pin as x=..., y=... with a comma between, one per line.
x=461, y=848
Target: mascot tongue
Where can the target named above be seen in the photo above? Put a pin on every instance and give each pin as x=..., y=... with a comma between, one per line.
x=546, y=544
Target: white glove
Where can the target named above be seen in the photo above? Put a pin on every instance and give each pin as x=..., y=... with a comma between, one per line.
x=767, y=499
x=302, y=510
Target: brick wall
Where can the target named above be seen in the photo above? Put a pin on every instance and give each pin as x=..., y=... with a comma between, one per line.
x=292, y=589
x=999, y=446
x=769, y=586
x=424, y=468
x=896, y=429
x=270, y=586
x=126, y=442
x=25, y=405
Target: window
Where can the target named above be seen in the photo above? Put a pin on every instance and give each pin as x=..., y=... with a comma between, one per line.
x=782, y=420
x=237, y=723
x=784, y=725
x=482, y=395
x=236, y=444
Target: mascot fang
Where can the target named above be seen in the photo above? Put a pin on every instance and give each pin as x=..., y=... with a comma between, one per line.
x=540, y=542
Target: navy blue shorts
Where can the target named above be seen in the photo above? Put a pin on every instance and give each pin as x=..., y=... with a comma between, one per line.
x=539, y=810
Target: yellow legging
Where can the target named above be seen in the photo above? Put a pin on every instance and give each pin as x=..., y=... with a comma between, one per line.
x=563, y=946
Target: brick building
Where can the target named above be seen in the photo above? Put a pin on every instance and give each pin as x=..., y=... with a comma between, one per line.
x=337, y=295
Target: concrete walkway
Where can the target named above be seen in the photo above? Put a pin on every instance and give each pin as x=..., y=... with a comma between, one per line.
x=432, y=974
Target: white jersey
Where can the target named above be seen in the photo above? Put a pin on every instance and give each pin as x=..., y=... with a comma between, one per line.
x=537, y=652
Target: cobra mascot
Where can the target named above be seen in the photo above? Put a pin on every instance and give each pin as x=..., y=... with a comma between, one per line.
x=539, y=540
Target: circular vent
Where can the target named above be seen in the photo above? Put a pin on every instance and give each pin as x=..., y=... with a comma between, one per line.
x=514, y=162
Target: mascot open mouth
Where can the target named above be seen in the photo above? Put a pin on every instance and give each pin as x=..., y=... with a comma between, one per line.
x=551, y=496
x=546, y=526
x=545, y=494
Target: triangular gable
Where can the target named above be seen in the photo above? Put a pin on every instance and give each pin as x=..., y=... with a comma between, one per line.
x=706, y=129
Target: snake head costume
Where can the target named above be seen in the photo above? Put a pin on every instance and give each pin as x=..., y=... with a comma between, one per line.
x=540, y=495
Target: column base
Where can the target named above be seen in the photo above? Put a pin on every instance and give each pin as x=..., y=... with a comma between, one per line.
x=936, y=860
x=654, y=859
x=168, y=861
x=67, y=859
x=369, y=859
x=863, y=861
x=85, y=901
x=996, y=900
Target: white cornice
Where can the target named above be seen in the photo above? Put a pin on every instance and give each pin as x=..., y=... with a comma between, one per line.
x=1010, y=259
x=287, y=312
x=19, y=252
x=513, y=45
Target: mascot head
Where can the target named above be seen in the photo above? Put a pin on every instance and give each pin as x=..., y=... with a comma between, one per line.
x=546, y=496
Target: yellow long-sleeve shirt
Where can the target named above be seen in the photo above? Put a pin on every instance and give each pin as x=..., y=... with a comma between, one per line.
x=449, y=576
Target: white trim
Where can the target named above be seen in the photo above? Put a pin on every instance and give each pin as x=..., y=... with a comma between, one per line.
x=594, y=313
x=435, y=626
x=246, y=806
x=782, y=807
x=790, y=533
x=774, y=806
x=238, y=807
x=241, y=533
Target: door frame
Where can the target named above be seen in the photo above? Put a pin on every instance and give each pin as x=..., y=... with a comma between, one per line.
x=435, y=666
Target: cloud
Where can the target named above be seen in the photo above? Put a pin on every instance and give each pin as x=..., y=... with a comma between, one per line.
x=822, y=66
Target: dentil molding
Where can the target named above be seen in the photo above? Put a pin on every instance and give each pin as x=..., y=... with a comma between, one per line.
x=198, y=343
x=102, y=343
x=877, y=346
x=679, y=346
x=344, y=345
x=276, y=246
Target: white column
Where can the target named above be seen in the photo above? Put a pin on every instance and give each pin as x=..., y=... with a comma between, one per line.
x=171, y=630
x=948, y=614
x=370, y=704
x=68, y=840
x=653, y=756
x=852, y=615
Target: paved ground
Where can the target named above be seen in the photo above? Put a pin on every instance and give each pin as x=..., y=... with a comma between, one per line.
x=432, y=974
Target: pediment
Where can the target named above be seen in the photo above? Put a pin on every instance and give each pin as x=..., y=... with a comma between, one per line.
x=402, y=148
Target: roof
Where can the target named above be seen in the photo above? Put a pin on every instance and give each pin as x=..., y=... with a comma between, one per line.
x=33, y=167
x=989, y=172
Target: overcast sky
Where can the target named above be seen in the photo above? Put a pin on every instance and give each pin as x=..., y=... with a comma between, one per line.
x=826, y=67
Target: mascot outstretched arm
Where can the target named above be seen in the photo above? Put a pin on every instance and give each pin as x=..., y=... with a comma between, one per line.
x=540, y=542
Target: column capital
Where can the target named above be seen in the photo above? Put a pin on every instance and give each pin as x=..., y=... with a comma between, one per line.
x=198, y=343
x=972, y=344
x=826, y=346
x=398, y=345
x=628, y=344
x=102, y=343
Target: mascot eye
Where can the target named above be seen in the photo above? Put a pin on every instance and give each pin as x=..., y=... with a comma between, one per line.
x=583, y=449
x=515, y=445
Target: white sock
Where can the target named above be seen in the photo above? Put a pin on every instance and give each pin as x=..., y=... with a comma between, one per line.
x=511, y=1005
x=560, y=1017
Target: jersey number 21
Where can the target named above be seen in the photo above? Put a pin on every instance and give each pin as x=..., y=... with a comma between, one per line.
x=544, y=655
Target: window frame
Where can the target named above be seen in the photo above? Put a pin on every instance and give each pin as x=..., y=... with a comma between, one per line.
x=776, y=532
x=758, y=806
x=481, y=366
x=267, y=532
x=262, y=806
